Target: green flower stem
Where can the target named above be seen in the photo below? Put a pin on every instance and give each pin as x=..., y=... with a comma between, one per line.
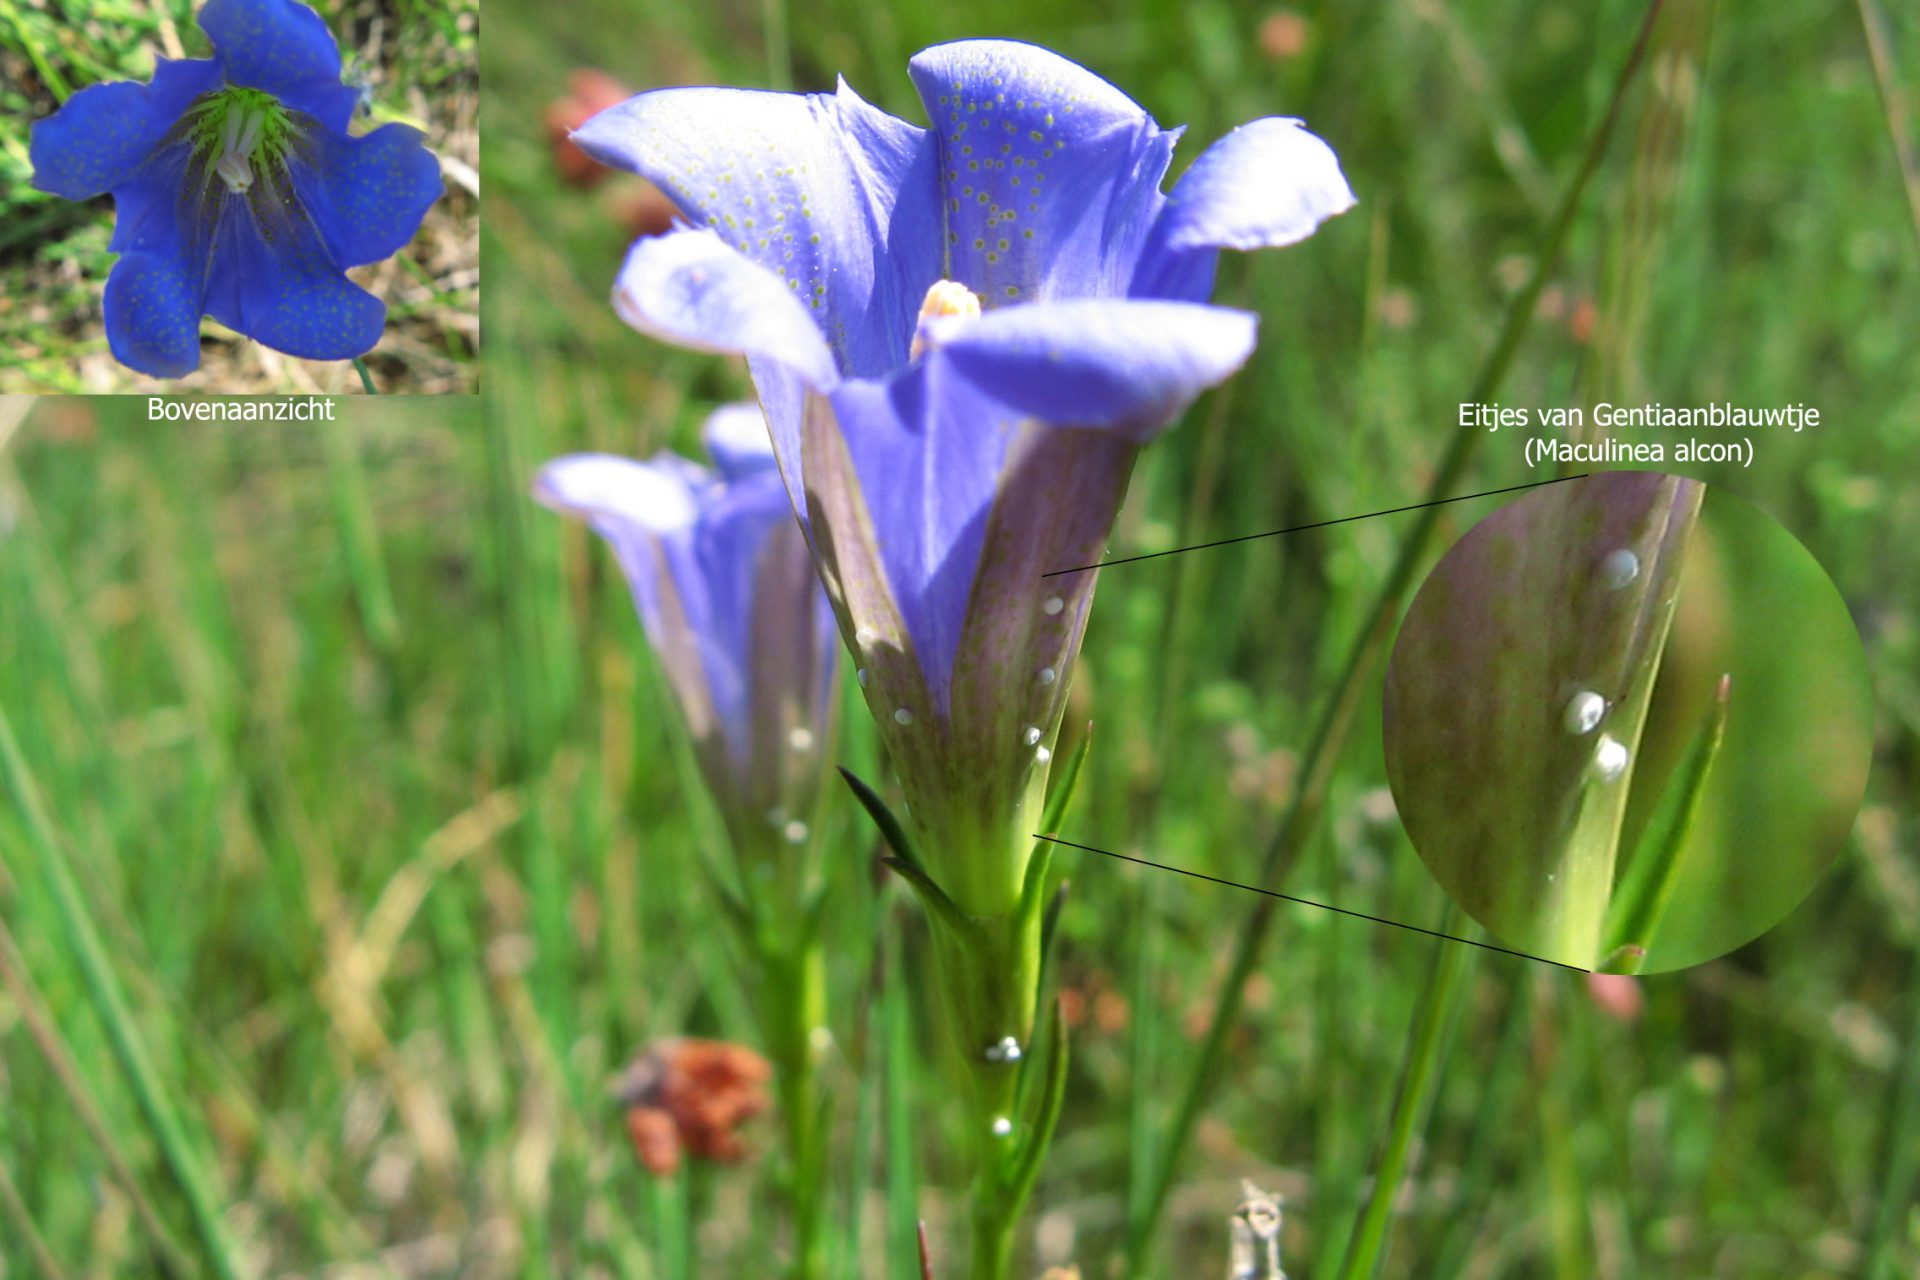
x=1330, y=732
x=793, y=1010
x=989, y=970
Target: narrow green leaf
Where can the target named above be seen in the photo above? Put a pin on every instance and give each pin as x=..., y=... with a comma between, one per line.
x=883, y=817
x=1646, y=884
x=943, y=909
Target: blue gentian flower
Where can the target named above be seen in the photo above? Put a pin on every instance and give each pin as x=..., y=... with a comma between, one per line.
x=729, y=601
x=239, y=193
x=960, y=337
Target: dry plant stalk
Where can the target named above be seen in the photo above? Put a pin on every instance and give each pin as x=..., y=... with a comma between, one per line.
x=1255, y=1252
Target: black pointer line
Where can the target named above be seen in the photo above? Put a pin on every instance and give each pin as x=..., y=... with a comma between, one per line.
x=1318, y=524
x=1308, y=902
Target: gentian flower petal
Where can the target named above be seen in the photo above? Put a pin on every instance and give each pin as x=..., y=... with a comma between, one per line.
x=692, y=288
x=727, y=594
x=1133, y=366
x=1267, y=184
x=104, y=132
x=736, y=437
x=273, y=279
x=647, y=512
x=928, y=449
x=152, y=303
x=368, y=194
x=829, y=194
x=152, y=311
x=285, y=49
x=1051, y=175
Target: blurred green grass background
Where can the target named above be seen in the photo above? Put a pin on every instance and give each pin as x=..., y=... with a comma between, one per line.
x=367, y=777
x=417, y=62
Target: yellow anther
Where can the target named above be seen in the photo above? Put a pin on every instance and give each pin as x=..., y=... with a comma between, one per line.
x=945, y=298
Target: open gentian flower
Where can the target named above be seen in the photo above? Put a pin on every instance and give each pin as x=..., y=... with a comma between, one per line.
x=729, y=601
x=239, y=193
x=960, y=336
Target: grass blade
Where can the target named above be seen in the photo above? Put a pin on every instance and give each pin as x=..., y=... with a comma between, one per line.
x=109, y=1003
x=1426, y=1053
x=1646, y=885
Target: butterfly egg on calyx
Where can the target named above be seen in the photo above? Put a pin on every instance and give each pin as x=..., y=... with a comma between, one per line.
x=1610, y=757
x=1583, y=713
x=1619, y=567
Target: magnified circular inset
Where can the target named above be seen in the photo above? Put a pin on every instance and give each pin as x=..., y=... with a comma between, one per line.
x=1628, y=722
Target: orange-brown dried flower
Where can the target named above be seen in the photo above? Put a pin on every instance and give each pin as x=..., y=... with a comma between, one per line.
x=1285, y=34
x=692, y=1096
x=589, y=92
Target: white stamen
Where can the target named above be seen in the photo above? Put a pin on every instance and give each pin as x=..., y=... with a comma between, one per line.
x=1053, y=605
x=1007, y=1049
x=801, y=739
x=1002, y=1127
x=250, y=132
x=795, y=832
x=1042, y=756
x=946, y=299
x=234, y=171
x=239, y=138
x=1033, y=737
x=1046, y=675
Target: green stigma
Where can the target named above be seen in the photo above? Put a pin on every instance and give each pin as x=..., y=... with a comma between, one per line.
x=237, y=128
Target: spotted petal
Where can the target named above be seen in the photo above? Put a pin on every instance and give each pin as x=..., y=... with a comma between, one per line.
x=284, y=48
x=367, y=194
x=1267, y=184
x=273, y=279
x=690, y=287
x=152, y=303
x=104, y=132
x=1050, y=175
x=831, y=196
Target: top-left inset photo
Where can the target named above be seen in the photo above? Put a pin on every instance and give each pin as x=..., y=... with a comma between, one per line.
x=240, y=196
